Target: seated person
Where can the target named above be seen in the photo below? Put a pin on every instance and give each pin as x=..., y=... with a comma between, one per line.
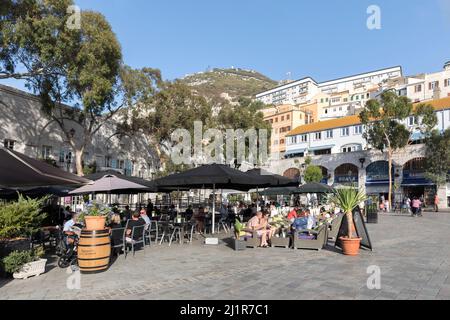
x=135, y=221
x=306, y=222
x=258, y=224
x=293, y=214
x=199, y=218
x=72, y=229
x=188, y=213
x=172, y=212
x=270, y=228
x=145, y=217
x=223, y=213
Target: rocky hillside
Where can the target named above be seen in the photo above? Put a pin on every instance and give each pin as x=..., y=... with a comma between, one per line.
x=228, y=84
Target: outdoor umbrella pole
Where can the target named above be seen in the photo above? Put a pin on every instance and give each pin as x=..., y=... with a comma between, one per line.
x=257, y=199
x=213, y=208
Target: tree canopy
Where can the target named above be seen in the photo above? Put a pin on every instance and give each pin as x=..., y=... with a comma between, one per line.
x=438, y=157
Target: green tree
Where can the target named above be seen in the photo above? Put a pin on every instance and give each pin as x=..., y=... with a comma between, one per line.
x=313, y=174
x=173, y=106
x=384, y=124
x=438, y=157
x=65, y=66
x=245, y=115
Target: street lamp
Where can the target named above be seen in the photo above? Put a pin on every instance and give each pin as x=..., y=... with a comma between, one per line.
x=362, y=161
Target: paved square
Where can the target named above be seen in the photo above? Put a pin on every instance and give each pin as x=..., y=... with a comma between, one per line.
x=412, y=253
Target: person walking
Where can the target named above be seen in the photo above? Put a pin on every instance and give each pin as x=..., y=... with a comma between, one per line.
x=436, y=203
x=415, y=206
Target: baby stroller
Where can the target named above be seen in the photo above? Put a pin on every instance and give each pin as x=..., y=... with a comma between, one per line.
x=67, y=250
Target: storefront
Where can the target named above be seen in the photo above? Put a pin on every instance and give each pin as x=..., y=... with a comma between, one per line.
x=377, y=179
x=414, y=183
x=347, y=175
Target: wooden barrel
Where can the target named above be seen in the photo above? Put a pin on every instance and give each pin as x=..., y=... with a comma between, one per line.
x=94, y=250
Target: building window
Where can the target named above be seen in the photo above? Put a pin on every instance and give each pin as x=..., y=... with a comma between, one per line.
x=345, y=99
x=288, y=117
x=412, y=121
x=447, y=82
x=108, y=162
x=318, y=136
x=329, y=134
x=276, y=119
x=304, y=138
x=345, y=132
x=121, y=164
x=351, y=148
x=46, y=152
x=358, y=129
x=433, y=85
x=282, y=118
x=326, y=111
x=418, y=88
x=282, y=141
x=9, y=144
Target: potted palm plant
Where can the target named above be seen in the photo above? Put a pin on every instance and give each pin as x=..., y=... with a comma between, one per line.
x=348, y=199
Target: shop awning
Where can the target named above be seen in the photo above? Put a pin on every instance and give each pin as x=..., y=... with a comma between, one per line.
x=321, y=148
x=416, y=183
x=296, y=151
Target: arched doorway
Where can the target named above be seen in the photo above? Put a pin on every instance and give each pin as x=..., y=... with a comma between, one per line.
x=292, y=173
x=346, y=174
x=377, y=179
x=324, y=175
x=414, y=182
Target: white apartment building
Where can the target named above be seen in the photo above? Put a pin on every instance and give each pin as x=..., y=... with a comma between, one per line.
x=26, y=129
x=335, y=98
x=422, y=87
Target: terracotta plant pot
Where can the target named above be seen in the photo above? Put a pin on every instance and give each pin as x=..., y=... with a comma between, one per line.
x=95, y=223
x=350, y=247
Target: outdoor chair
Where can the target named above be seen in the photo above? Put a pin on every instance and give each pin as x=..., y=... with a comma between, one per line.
x=310, y=239
x=333, y=227
x=176, y=234
x=165, y=232
x=137, y=237
x=116, y=245
x=222, y=224
x=190, y=231
x=151, y=230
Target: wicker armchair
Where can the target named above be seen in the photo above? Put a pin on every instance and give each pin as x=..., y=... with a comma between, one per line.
x=317, y=241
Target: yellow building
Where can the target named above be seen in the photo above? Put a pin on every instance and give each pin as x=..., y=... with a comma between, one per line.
x=283, y=119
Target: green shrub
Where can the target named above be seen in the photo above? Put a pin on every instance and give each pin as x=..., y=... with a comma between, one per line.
x=21, y=218
x=16, y=259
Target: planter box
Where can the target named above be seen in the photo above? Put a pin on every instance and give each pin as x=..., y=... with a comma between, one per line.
x=280, y=242
x=212, y=241
x=35, y=268
x=239, y=245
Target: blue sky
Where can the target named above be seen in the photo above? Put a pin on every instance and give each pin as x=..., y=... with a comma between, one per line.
x=324, y=39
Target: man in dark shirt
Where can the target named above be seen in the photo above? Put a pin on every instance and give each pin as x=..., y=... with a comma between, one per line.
x=135, y=221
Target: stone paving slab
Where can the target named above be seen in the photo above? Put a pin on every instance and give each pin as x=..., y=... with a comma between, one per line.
x=412, y=253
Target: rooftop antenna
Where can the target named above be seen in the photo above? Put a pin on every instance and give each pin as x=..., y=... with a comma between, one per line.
x=288, y=75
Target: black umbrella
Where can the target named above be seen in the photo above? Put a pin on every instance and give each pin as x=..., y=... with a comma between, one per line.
x=314, y=187
x=18, y=170
x=214, y=176
x=282, y=191
x=274, y=180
